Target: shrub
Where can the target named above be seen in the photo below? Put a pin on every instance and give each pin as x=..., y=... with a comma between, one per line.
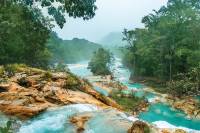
x=187, y=84
x=72, y=83
x=47, y=76
x=7, y=128
x=2, y=70
x=60, y=67
x=129, y=103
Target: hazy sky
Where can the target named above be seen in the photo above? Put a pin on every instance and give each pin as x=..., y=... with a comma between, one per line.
x=111, y=16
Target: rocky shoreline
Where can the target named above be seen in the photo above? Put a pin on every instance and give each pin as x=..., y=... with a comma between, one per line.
x=30, y=91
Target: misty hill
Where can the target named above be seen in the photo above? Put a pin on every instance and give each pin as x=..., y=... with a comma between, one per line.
x=113, y=39
x=70, y=51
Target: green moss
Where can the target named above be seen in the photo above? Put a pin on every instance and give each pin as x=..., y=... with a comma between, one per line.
x=128, y=103
x=47, y=76
x=2, y=70
x=86, y=81
x=7, y=128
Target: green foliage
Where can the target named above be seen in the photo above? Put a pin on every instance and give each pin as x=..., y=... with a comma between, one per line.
x=2, y=70
x=24, y=32
x=74, y=8
x=60, y=67
x=70, y=51
x=6, y=129
x=72, y=82
x=10, y=69
x=47, y=76
x=186, y=84
x=100, y=62
x=169, y=43
x=128, y=103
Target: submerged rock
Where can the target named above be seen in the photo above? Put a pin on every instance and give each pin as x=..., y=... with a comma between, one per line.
x=79, y=122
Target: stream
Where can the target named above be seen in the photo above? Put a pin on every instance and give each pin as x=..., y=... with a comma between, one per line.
x=56, y=120
x=160, y=114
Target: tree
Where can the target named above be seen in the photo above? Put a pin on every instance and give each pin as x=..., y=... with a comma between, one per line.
x=100, y=62
x=58, y=8
x=23, y=35
x=169, y=43
x=24, y=29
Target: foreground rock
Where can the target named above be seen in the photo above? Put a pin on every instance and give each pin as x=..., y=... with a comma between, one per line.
x=79, y=122
x=29, y=91
x=139, y=127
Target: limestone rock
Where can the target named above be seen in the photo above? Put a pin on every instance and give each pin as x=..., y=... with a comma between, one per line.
x=180, y=131
x=31, y=91
x=139, y=127
x=79, y=122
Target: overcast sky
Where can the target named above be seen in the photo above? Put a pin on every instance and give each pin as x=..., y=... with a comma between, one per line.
x=111, y=16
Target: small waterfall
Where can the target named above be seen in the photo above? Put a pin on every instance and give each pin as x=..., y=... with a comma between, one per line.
x=55, y=120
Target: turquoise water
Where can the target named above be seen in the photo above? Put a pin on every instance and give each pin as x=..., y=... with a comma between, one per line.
x=102, y=91
x=162, y=112
x=80, y=69
x=56, y=120
x=147, y=95
x=157, y=112
x=134, y=86
x=198, y=97
x=109, y=121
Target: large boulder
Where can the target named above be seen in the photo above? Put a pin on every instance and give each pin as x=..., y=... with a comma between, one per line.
x=180, y=131
x=139, y=127
x=79, y=122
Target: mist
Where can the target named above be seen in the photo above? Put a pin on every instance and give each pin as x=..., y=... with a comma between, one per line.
x=111, y=16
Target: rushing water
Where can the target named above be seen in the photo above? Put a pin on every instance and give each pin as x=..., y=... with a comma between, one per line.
x=56, y=120
x=159, y=114
x=162, y=112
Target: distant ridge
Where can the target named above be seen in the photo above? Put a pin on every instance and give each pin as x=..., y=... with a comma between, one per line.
x=113, y=39
x=71, y=51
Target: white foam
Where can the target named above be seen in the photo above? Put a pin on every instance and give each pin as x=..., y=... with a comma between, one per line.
x=55, y=118
x=164, y=124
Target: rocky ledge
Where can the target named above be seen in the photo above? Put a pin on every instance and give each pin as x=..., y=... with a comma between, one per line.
x=188, y=105
x=28, y=91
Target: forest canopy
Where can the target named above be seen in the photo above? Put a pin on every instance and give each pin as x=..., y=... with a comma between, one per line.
x=169, y=44
x=25, y=31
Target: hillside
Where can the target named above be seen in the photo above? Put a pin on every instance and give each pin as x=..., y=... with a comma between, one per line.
x=113, y=39
x=70, y=51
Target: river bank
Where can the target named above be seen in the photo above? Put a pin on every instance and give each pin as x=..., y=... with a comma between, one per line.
x=68, y=96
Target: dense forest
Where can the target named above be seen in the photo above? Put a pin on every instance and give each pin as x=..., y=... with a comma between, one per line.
x=70, y=51
x=25, y=31
x=168, y=46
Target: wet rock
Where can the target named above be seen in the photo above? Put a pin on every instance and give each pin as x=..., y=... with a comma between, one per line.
x=79, y=122
x=165, y=131
x=180, y=131
x=139, y=127
x=188, y=105
x=28, y=93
